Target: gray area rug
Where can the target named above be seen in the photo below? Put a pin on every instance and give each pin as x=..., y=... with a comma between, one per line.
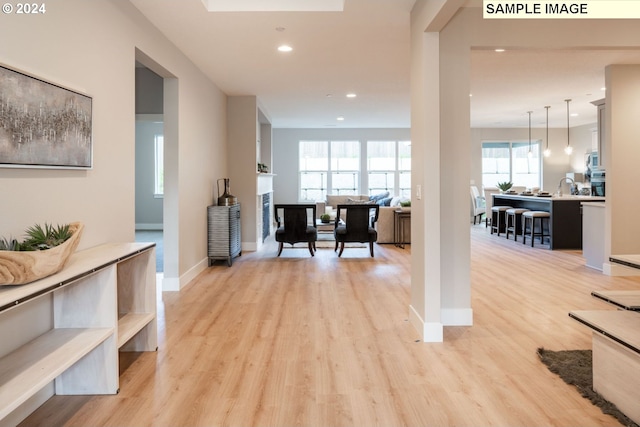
x=575, y=368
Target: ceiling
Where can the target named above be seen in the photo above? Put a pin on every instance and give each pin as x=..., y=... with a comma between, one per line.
x=506, y=85
x=365, y=50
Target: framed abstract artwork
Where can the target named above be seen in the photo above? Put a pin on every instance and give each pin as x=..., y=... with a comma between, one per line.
x=43, y=125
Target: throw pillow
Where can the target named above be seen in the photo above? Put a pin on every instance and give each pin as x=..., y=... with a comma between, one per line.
x=377, y=197
x=385, y=202
x=351, y=201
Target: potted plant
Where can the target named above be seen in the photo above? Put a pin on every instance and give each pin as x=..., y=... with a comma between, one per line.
x=405, y=205
x=43, y=253
x=325, y=218
x=505, y=186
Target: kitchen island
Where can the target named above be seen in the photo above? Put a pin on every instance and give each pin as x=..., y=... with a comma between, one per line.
x=565, y=224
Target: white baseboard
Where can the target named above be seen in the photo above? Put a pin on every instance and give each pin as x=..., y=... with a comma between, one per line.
x=430, y=331
x=170, y=284
x=193, y=272
x=249, y=246
x=149, y=227
x=177, y=283
x=457, y=316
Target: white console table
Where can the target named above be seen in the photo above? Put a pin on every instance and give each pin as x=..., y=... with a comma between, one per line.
x=103, y=301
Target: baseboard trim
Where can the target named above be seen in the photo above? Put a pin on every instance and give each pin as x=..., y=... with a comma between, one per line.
x=430, y=331
x=193, y=272
x=170, y=284
x=145, y=227
x=457, y=316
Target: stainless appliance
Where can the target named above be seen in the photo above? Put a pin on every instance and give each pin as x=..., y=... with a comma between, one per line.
x=598, y=183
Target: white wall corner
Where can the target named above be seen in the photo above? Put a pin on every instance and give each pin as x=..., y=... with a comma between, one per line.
x=170, y=284
x=250, y=246
x=457, y=316
x=431, y=331
x=193, y=272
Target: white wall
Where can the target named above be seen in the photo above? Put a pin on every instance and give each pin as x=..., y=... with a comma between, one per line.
x=91, y=47
x=285, y=152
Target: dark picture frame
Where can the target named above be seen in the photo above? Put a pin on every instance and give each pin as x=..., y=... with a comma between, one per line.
x=43, y=125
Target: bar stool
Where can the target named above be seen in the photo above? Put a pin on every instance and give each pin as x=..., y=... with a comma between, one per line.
x=514, y=222
x=531, y=217
x=498, y=218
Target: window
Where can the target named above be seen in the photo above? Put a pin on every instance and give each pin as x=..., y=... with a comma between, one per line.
x=159, y=166
x=389, y=167
x=328, y=167
x=510, y=161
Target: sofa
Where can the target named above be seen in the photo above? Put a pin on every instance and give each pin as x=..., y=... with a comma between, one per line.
x=385, y=224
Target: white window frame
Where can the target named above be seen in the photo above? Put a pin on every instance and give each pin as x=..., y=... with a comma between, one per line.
x=158, y=170
x=535, y=147
x=330, y=169
x=396, y=172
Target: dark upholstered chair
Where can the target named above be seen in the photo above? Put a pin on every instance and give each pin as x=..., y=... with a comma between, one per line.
x=355, y=223
x=294, y=225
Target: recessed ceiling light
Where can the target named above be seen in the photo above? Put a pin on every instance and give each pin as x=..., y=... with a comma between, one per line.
x=285, y=48
x=280, y=29
x=603, y=88
x=574, y=114
x=499, y=50
x=340, y=119
x=328, y=95
x=351, y=95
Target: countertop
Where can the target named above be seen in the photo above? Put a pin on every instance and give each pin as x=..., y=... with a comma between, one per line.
x=564, y=198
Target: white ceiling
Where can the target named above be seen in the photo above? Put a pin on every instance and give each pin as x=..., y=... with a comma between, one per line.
x=365, y=49
x=504, y=86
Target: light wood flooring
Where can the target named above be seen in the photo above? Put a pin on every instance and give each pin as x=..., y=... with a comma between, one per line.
x=323, y=341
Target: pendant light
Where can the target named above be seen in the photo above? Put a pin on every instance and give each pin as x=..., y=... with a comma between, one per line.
x=530, y=153
x=568, y=149
x=547, y=152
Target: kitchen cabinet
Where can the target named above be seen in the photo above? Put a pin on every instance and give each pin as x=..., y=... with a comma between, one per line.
x=565, y=227
x=593, y=234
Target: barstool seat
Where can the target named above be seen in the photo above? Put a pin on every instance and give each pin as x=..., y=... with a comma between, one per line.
x=498, y=218
x=514, y=222
x=531, y=217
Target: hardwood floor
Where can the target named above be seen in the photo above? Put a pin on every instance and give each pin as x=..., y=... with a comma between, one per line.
x=323, y=341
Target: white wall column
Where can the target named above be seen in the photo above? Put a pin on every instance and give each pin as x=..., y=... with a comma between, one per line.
x=621, y=153
x=440, y=135
x=425, y=309
x=455, y=161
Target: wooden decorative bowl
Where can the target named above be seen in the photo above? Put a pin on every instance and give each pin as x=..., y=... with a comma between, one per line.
x=21, y=267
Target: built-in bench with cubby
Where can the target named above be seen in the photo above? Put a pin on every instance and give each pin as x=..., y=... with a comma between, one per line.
x=62, y=334
x=616, y=344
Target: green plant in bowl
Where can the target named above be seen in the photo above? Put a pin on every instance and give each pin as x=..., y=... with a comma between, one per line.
x=325, y=218
x=505, y=186
x=47, y=237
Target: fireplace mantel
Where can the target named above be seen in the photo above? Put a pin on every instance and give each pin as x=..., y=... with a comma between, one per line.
x=265, y=183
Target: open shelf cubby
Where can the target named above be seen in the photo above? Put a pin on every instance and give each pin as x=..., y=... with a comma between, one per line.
x=62, y=334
